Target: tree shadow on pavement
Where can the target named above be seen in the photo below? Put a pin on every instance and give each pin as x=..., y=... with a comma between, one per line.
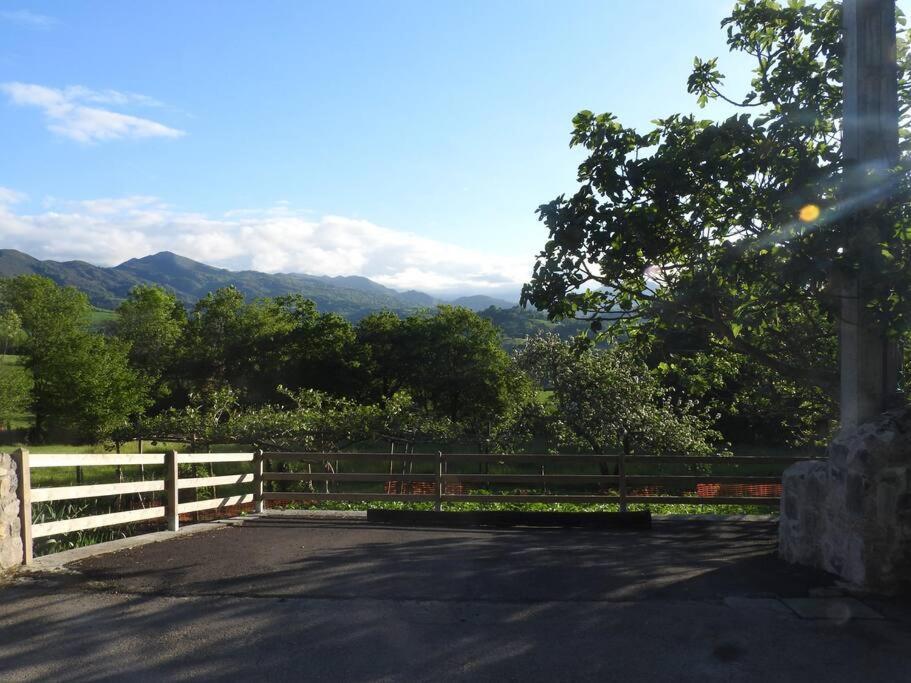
x=284, y=599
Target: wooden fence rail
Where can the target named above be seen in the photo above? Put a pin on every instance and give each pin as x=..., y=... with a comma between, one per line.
x=627, y=484
x=171, y=484
x=437, y=486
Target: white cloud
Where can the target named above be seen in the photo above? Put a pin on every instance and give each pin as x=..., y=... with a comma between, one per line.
x=8, y=196
x=25, y=18
x=277, y=239
x=115, y=97
x=67, y=114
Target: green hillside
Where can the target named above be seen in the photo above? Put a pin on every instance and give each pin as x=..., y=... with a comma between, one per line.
x=351, y=296
x=190, y=280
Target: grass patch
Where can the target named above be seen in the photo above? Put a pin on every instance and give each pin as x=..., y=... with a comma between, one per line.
x=656, y=508
x=100, y=317
x=59, y=510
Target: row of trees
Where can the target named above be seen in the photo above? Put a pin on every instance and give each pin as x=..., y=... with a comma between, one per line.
x=279, y=374
x=449, y=360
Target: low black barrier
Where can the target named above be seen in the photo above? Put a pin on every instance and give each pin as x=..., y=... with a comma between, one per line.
x=503, y=518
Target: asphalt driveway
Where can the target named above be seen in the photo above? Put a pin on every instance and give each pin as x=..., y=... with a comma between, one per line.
x=283, y=598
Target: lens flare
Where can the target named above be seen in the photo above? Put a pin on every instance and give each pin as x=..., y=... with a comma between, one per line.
x=809, y=213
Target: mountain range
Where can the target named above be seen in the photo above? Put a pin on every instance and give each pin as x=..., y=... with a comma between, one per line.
x=351, y=296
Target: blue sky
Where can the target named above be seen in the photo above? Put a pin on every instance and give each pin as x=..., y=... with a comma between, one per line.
x=406, y=141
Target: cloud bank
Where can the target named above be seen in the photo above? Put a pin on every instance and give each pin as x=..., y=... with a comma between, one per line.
x=72, y=112
x=110, y=231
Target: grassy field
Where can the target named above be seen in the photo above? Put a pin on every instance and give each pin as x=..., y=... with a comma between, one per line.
x=99, y=318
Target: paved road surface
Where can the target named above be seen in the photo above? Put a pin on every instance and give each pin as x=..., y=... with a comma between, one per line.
x=291, y=599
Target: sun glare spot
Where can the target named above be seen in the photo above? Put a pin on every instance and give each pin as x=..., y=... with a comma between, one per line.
x=809, y=213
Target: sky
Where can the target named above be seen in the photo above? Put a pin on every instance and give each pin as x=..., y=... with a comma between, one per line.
x=409, y=142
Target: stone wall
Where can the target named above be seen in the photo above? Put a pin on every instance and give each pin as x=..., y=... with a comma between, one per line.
x=851, y=513
x=10, y=541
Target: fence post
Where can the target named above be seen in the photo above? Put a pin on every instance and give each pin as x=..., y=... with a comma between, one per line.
x=171, y=479
x=439, y=502
x=24, y=492
x=621, y=471
x=259, y=505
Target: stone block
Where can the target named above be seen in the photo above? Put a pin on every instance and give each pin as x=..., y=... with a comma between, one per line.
x=11, y=553
x=851, y=514
x=10, y=541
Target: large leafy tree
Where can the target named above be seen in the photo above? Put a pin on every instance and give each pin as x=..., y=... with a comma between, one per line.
x=152, y=322
x=15, y=380
x=755, y=404
x=82, y=381
x=45, y=311
x=53, y=319
x=91, y=387
x=382, y=339
x=255, y=346
x=607, y=401
x=11, y=333
x=218, y=341
x=450, y=360
x=318, y=351
x=457, y=365
x=730, y=234
x=15, y=391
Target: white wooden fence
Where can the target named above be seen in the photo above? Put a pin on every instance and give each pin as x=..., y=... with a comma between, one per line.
x=171, y=484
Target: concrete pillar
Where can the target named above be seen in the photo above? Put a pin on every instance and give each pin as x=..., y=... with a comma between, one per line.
x=869, y=371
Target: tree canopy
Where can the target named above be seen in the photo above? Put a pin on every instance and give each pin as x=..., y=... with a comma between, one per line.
x=272, y=361
x=152, y=321
x=82, y=382
x=607, y=401
x=730, y=234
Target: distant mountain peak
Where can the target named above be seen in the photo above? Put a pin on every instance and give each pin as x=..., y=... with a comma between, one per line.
x=168, y=257
x=352, y=296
